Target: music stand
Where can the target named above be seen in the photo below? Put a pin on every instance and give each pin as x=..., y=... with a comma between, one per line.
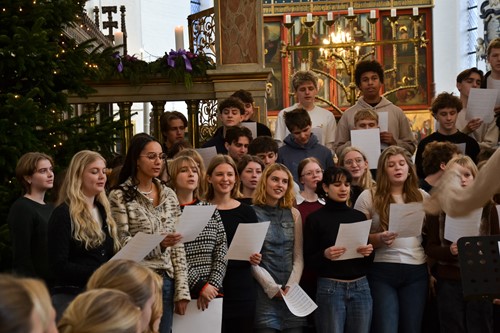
x=480, y=267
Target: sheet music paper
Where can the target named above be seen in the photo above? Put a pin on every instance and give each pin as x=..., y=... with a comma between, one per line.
x=194, y=320
x=247, y=240
x=481, y=103
x=193, y=220
x=383, y=121
x=139, y=246
x=351, y=236
x=368, y=141
x=252, y=126
x=207, y=154
x=463, y=226
x=298, y=302
x=406, y=219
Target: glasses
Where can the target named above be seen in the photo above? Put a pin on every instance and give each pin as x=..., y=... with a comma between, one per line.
x=154, y=156
x=311, y=173
x=358, y=161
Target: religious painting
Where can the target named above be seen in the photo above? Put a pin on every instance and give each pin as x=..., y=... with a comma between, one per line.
x=421, y=123
x=406, y=64
x=272, y=56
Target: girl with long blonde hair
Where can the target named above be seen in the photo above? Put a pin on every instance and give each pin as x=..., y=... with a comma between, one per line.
x=82, y=234
x=282, y=260
x=398, y=277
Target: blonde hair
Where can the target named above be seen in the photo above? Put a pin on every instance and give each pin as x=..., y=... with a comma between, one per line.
x=364, y=114
x=214, y=163
x=464, y=161
x=134, y=279
x=382, y=197
x=260, y=194
x=201, y=164
x=174, y=169
x=19, y=297
x=84, y=227
x=157, y=308
x=366, y=180
x=101, y=311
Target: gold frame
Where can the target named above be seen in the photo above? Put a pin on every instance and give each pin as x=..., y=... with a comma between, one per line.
x=421, y=122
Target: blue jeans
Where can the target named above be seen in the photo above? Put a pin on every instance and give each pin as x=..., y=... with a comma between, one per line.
x=399, y=292
x=343, y=306
x=168, y=305
x=458, y=315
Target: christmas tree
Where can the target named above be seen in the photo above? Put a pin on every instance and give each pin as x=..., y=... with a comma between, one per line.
x=39, y=66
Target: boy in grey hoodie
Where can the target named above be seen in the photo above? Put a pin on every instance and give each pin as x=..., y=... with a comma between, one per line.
x=369, y=76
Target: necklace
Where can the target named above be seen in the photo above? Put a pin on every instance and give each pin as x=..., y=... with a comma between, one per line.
x=147, y=193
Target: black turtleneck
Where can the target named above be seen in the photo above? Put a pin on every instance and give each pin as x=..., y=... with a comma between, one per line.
x=320, y=232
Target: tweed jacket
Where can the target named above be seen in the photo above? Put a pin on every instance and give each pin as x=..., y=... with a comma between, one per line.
x=133, y=213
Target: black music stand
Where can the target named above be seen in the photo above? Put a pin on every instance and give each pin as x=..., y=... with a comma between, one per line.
x=480, y=266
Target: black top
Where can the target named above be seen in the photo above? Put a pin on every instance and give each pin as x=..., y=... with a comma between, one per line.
x=320, y=232
x=28, y=222
x=70, y=262
x=471, y=147
x=217, y=140
x=238, y=284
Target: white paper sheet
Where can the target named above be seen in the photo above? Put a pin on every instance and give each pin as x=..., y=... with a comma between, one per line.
x=193, y=220
x=351, y=236
x=298, y=302
x=139, y=246
x=406, y=219
x=207, y=154
x=368, y=141
x=194, y=320
x=252, y=126
x=457, y=227
x=247, y=240
x=383, y=121
x=481, y=103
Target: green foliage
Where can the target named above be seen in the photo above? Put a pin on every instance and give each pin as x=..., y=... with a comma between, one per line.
x=177, y=67
x=38, y=67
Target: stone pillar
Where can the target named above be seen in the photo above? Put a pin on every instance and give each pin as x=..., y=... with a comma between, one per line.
x=240, y=52
x=126, y=118
x=158, y=109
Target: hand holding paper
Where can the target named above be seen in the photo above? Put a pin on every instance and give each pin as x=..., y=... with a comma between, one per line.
x=298, y=302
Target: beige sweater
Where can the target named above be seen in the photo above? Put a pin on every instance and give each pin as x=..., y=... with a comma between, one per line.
x=455, y=200
x=398, y=125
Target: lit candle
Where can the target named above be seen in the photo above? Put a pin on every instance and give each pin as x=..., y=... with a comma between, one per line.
x=288, y=18
x=118, y=38
x=393, y=12
x=329, y=16
x=309, y=17
x=415, y=11
x=350, y=11
x=373, y=14
x=179, y=37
